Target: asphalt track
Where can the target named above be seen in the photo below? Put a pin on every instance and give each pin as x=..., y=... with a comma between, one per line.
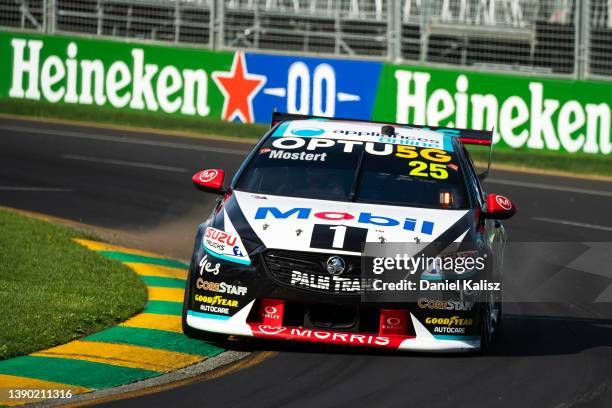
x=551, y=354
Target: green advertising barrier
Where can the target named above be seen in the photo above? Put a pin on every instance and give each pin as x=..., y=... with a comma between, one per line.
x=526, y=112
x=111, y=74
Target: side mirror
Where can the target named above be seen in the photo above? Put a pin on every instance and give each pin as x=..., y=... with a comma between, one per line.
x=499, y=207
x=209, y=181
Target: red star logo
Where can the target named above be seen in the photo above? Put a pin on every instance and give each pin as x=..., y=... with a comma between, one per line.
x=238, y=88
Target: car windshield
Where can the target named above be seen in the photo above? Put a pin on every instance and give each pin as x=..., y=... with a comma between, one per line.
x=345, y=170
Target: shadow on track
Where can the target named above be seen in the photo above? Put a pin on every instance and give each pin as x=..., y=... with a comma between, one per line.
x=546, y=335
x=521, y=336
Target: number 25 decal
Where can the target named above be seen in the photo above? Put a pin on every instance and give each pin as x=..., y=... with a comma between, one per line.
x=338, y=237
x=422, y=169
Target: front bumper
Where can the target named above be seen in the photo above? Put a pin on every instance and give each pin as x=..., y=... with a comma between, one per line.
x=270, y=327
x=262, y=305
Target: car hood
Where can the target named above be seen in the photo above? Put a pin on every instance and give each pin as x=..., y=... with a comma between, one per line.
x=303, y=224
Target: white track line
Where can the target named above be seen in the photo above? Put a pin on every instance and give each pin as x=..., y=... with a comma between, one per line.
x=124, y=163
x=37, y=189
x=572, y=223
x=129, y=140
x=549, y=187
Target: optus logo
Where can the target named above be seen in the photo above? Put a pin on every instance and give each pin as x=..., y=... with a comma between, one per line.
x=308, y=132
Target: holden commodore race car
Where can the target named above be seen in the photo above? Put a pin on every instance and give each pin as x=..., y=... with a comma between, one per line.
x=281, y=256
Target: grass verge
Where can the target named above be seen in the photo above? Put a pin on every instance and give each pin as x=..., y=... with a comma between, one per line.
x=53, y=290
x=577, y=163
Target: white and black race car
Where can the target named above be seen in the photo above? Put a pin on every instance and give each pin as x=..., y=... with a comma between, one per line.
x=282, y=254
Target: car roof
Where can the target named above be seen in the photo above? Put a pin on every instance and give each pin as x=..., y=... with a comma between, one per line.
x=363, y=131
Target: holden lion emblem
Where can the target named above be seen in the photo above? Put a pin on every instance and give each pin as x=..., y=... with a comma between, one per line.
x=335, y=265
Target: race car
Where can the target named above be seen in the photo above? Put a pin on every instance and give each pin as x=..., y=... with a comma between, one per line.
x=286, y=253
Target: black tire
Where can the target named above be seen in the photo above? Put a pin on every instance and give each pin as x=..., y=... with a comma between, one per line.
x=490, y=330
x=500, y=320
x=486, y=333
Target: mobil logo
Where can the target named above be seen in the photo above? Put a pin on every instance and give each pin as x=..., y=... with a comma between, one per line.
x=304, y=213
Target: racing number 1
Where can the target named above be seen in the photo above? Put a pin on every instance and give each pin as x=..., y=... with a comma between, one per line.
x=338, y=237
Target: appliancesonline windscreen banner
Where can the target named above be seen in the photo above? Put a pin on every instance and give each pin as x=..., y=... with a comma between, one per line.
x=545, y=114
